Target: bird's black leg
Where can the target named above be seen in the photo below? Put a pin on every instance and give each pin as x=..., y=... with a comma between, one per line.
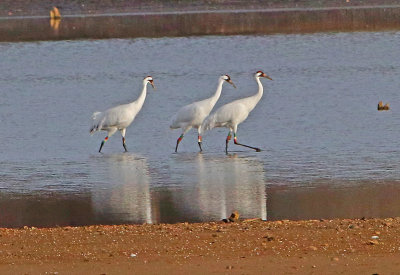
x=237, y=143
x=177, y=142
x=228, y=138
x=199, y=142
x=123, y=144
x=102, y=143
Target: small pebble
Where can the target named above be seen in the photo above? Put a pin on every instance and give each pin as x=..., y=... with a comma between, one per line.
x=234, y=216
x=269, y=238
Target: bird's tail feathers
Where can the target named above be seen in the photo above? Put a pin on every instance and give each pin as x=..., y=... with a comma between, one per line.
x=208, y=123
x=174, y=124
x=96, y=118
x=93, y=129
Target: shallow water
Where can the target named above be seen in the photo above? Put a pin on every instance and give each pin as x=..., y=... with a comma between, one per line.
x=327, y=151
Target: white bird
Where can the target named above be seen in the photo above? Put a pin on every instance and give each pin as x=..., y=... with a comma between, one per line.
x=192, y=115
x=119, y=117
x=232, y=114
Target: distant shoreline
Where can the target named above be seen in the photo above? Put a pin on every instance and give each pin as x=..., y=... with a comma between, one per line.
x=188, y=12
x=15, y=8
x=184, y=22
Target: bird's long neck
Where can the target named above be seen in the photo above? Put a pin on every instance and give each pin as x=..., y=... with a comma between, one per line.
x=140, y=100
x=217, y=94
x=253, y=100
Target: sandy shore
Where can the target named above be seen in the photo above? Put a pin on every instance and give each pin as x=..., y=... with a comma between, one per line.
x=369, y=246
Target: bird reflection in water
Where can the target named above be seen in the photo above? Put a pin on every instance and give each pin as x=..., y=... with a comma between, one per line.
x=231, y=183
x=126, y=197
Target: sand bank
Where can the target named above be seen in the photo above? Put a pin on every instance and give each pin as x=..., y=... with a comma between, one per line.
x=247, y=247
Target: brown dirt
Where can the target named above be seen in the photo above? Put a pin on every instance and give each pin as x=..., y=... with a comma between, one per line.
x=245, y=247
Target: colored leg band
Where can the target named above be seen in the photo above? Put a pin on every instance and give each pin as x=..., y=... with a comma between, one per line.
x=180, y=138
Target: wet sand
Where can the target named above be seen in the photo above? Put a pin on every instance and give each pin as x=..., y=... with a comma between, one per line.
x=369, y=246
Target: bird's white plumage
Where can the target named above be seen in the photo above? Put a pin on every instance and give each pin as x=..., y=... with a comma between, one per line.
x=228, y=116
x=119, y=117
x=232, y=114
x=192, y=115
x=235, y=112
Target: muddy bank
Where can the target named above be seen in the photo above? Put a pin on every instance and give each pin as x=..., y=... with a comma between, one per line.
x=245, y=247
x=201, y=23
x=24, y=20
x=12, y=8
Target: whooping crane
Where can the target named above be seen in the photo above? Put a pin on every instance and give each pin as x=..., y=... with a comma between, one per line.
x=192, y=115
x=232, y=114
x=119, y=117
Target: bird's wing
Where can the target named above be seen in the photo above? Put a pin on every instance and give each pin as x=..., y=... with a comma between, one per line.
x=116, y=117
x=187, y=115
x=227, y=114
x=232, y=113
